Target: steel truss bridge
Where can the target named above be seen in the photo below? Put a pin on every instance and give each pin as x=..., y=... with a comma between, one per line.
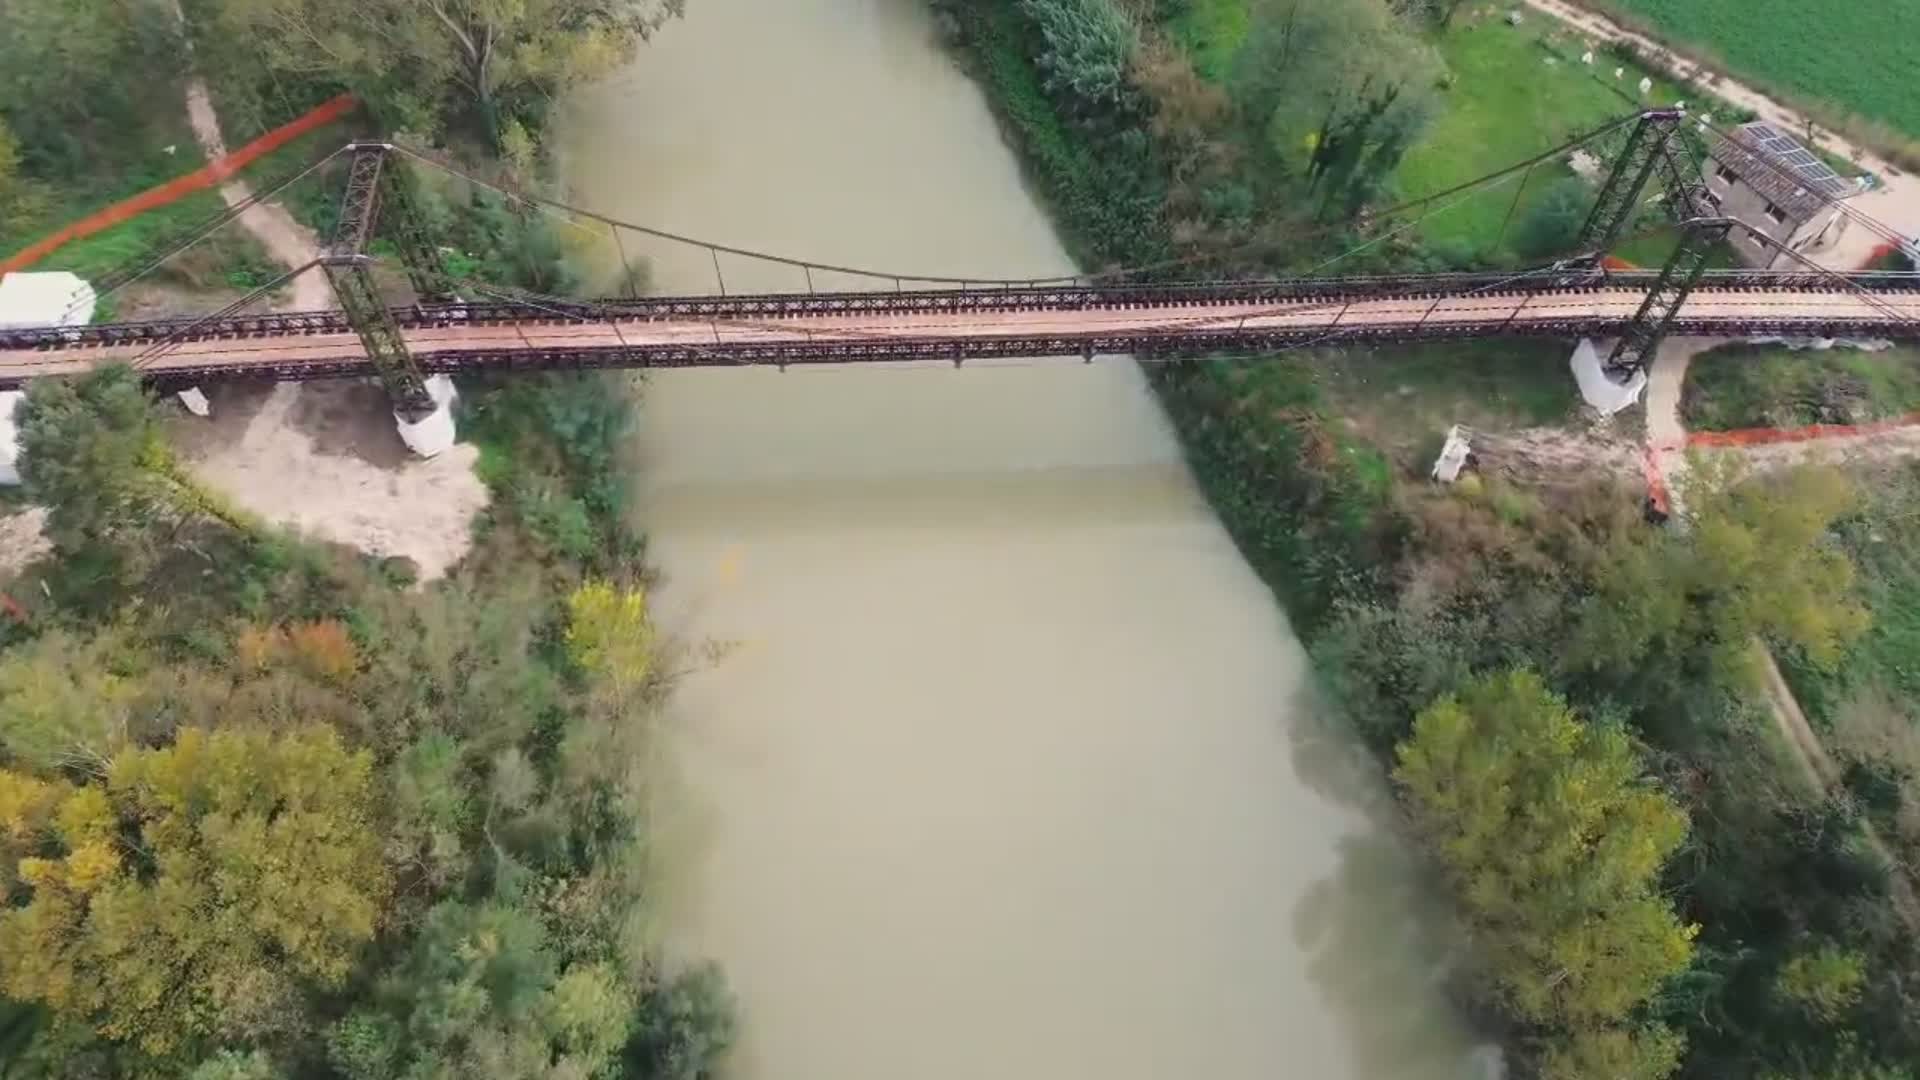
x=518, y=331
x=1151, y=322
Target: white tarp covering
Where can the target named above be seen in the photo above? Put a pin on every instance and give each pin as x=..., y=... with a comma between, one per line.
x=9, y=438
x=29, y=300
x=431, y=434
x=49, y=299
x=1601, y=392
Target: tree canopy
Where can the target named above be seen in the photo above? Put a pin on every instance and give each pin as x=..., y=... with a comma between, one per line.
x=431, y=62
x=1756, y=563
x=1555, y=844
x=191, y=891
x=1342, y=88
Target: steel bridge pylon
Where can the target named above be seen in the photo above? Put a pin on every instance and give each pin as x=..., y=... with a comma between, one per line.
x=349, y=270
x=1641, y=339
x=1648, y=146
x=1656, y=147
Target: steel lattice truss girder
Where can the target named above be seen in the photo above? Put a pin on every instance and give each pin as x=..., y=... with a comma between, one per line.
x=1678, y=279
x=1071, y=298
x=1145, y=345
x=1646, y=149
x=380, y=336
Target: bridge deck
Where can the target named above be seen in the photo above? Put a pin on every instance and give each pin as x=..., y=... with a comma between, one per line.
x=469, y=343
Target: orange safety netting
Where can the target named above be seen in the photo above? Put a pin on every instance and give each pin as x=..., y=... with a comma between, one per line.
x=1810, y=433
x=209, y=175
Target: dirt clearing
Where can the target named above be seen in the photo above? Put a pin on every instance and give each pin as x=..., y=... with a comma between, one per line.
x=324, y=458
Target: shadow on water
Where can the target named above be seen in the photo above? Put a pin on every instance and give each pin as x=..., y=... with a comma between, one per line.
x=1380, y=942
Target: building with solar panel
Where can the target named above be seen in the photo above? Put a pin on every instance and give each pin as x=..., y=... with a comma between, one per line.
x=1760, y=176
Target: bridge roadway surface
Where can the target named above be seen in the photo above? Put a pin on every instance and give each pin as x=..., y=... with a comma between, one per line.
x=960, y=324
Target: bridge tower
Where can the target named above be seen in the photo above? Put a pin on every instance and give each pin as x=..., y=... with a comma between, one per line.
x=1648, y=150
x=349, y=270
x=1634, y=352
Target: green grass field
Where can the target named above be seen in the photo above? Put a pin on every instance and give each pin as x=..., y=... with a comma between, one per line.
x=1857, y=54
x=1514, y=94
x=228, y=259
x=1508, y=103
x=1212, y=31
x=1743, y=386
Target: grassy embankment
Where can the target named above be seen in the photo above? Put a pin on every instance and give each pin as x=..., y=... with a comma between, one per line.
x=1746, y=386
x=163, y=148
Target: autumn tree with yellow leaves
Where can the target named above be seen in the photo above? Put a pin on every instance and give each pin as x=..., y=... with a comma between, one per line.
x=189, y=894
x=1554, y=843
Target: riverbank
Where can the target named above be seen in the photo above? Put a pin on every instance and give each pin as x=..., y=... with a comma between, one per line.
x=1405, y=590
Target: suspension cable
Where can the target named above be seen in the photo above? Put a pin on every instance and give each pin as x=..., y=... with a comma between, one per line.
x=1468, y=187
x=232, y=213
x=178, y=337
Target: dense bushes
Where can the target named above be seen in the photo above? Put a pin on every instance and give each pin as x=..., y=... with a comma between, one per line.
x=361, y=832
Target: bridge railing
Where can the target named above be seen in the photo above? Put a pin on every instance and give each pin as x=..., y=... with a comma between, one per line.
x=942, y=301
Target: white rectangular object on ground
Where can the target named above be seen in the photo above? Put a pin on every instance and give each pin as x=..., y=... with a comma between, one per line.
x=55, y=298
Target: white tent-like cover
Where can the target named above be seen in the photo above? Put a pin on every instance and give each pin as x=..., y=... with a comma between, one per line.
x=28, y=300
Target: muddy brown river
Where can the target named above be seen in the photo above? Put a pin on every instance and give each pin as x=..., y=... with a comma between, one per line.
x=1009, y=770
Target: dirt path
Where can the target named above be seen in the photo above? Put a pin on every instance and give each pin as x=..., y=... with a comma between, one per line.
x=22, y=538
x=1896, y=202
x=289, y=242
x=324, y=457
x=1666, y=443
x=1823, y=775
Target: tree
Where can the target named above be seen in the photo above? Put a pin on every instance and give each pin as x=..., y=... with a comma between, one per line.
x=610, y=636
x=1614, y=1054
x=85, y=447
x=194, y=891
x=22, y=202
x=1554, y=845
x=1756, y=563
x=1341, y=87
x=480, y=994
x=74, y=70
x=1550, y=226
x=684, y=1026
x=1088, y=54
x=1825, y=982
x=503, y=60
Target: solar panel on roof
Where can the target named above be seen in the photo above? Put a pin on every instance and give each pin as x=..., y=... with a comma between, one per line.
x=1810, y=170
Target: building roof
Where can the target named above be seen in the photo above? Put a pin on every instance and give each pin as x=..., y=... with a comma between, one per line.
x=1781, y=169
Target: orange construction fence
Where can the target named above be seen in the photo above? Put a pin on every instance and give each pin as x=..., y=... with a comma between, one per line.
x=1810, y=433
x=209, y=175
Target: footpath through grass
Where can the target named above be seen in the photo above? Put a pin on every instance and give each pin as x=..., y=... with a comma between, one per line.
x=227, y=259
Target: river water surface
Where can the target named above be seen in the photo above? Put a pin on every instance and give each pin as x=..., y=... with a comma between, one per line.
x=1009, y=772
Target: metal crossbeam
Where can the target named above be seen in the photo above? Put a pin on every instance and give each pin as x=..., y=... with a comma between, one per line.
x=1657, y=313
x=350, y=271
x=1646, y=148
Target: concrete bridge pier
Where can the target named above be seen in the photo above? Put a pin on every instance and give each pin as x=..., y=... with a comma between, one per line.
x=431, y=433
x=1600, y=388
